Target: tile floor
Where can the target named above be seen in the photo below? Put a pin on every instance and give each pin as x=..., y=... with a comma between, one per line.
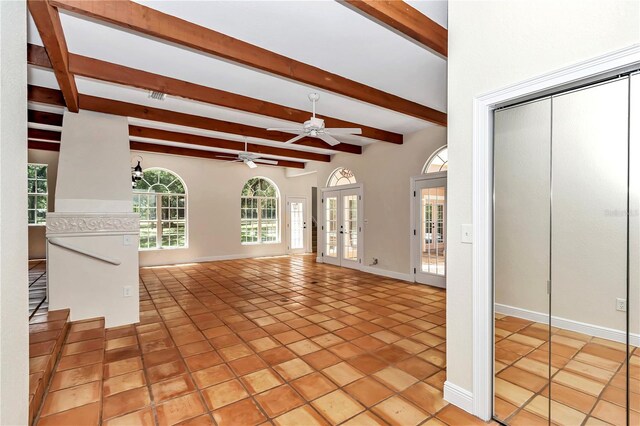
x=281, y=341
x=588, y=385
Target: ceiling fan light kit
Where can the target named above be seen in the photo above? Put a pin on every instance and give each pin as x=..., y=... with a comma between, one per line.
x=314, y=127
x=248, y=158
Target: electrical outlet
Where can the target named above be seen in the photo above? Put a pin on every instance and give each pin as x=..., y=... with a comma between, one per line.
x=126, y=291
x=621, y=305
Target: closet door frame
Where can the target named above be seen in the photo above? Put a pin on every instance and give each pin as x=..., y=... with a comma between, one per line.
x=480, y=400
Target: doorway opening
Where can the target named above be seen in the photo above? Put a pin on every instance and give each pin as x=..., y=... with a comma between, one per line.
x=342, y=220
x=429, y=221
x=296, y=218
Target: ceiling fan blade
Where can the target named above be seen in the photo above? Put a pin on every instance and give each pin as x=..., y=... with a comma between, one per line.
x=265, y=161
x=250, y=163
x=344, y=131
x=287, y=129
x=235, y=157
x=328, y=139
x=297, y=138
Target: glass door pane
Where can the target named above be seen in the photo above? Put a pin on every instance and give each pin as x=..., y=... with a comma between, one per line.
x=331, y=226
x=522, y=140
x=349, y=227
x=589, y=254
x=430, y=212
x=297, y=224
x=432, y=230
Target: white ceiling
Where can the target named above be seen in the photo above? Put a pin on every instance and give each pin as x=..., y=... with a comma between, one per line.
x=321, y=33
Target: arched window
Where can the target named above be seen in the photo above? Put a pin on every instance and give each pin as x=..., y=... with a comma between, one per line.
x=438, y=161
x=259, y=207
x=161, y=199
x=341, y=176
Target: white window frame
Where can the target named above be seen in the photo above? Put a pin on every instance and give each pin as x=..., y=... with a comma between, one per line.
x=38, y=194
x=158, y=208
x=351, y=181
x=259, y=210
x=425, y=169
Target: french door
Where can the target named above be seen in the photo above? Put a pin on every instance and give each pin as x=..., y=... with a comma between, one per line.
x=296, y=225
x=429, y=229
x=342, y=227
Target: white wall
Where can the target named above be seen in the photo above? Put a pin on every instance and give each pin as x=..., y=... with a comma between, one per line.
x=213, y=208
x=93, y=167
x=93, y=211
x=385, y=170
x=214, y=200
x=37, y=239
x=493, y=44
x=14, y=331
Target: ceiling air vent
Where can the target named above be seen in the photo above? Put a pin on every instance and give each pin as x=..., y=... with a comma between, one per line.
x=158, y=96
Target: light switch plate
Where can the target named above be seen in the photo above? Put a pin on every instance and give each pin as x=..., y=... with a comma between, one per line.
x=466, y=233
x=128, y=240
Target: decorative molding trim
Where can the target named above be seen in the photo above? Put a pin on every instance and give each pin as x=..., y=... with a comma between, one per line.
x=482, y=257
x=91, y=224
x=458, y=396
x=386, y=273
x=571, y=325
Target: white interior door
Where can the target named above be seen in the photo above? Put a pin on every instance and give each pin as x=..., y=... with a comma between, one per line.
x=296, y=224
x=342, y=227
x=429, y=234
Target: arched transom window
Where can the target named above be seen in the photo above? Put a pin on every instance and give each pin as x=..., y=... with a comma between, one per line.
x=259, y=207
x=341, y=176
x=438, y=162
x=161, y=199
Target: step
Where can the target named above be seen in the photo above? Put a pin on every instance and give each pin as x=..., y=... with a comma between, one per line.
x=82, y=345
x=47, y=332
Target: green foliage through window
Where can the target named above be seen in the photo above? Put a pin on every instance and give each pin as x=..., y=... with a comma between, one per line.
x=259, y=222
x=160, y=199
x=37, y=194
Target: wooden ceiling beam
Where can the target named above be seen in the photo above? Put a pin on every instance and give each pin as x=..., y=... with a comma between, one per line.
x=165, y=135
x=108, y=106
x=45, y=146
x=48, y=23
x=42, y=117
x=113, y=73
x=162, y=149
x=49, y=135
x=151, y=22
x=198, y=153
x=122, y=108
x=406, y=20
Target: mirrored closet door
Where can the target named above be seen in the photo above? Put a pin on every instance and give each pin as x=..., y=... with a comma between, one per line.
x=566, y=254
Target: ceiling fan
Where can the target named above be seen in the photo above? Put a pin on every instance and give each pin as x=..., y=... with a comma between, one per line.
x=251, y=160
x=314, y=127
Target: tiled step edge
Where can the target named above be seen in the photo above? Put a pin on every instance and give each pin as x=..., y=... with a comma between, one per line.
x=47, y=333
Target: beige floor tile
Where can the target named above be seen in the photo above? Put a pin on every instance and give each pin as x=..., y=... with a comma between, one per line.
x=398, y=411
x=395, y=378
x=337, y=406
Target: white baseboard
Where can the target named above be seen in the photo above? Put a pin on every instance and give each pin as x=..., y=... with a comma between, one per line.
x=386, y=273
x=212, y=259
x=571, y=325
x=319, y=259
x=458, y=396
